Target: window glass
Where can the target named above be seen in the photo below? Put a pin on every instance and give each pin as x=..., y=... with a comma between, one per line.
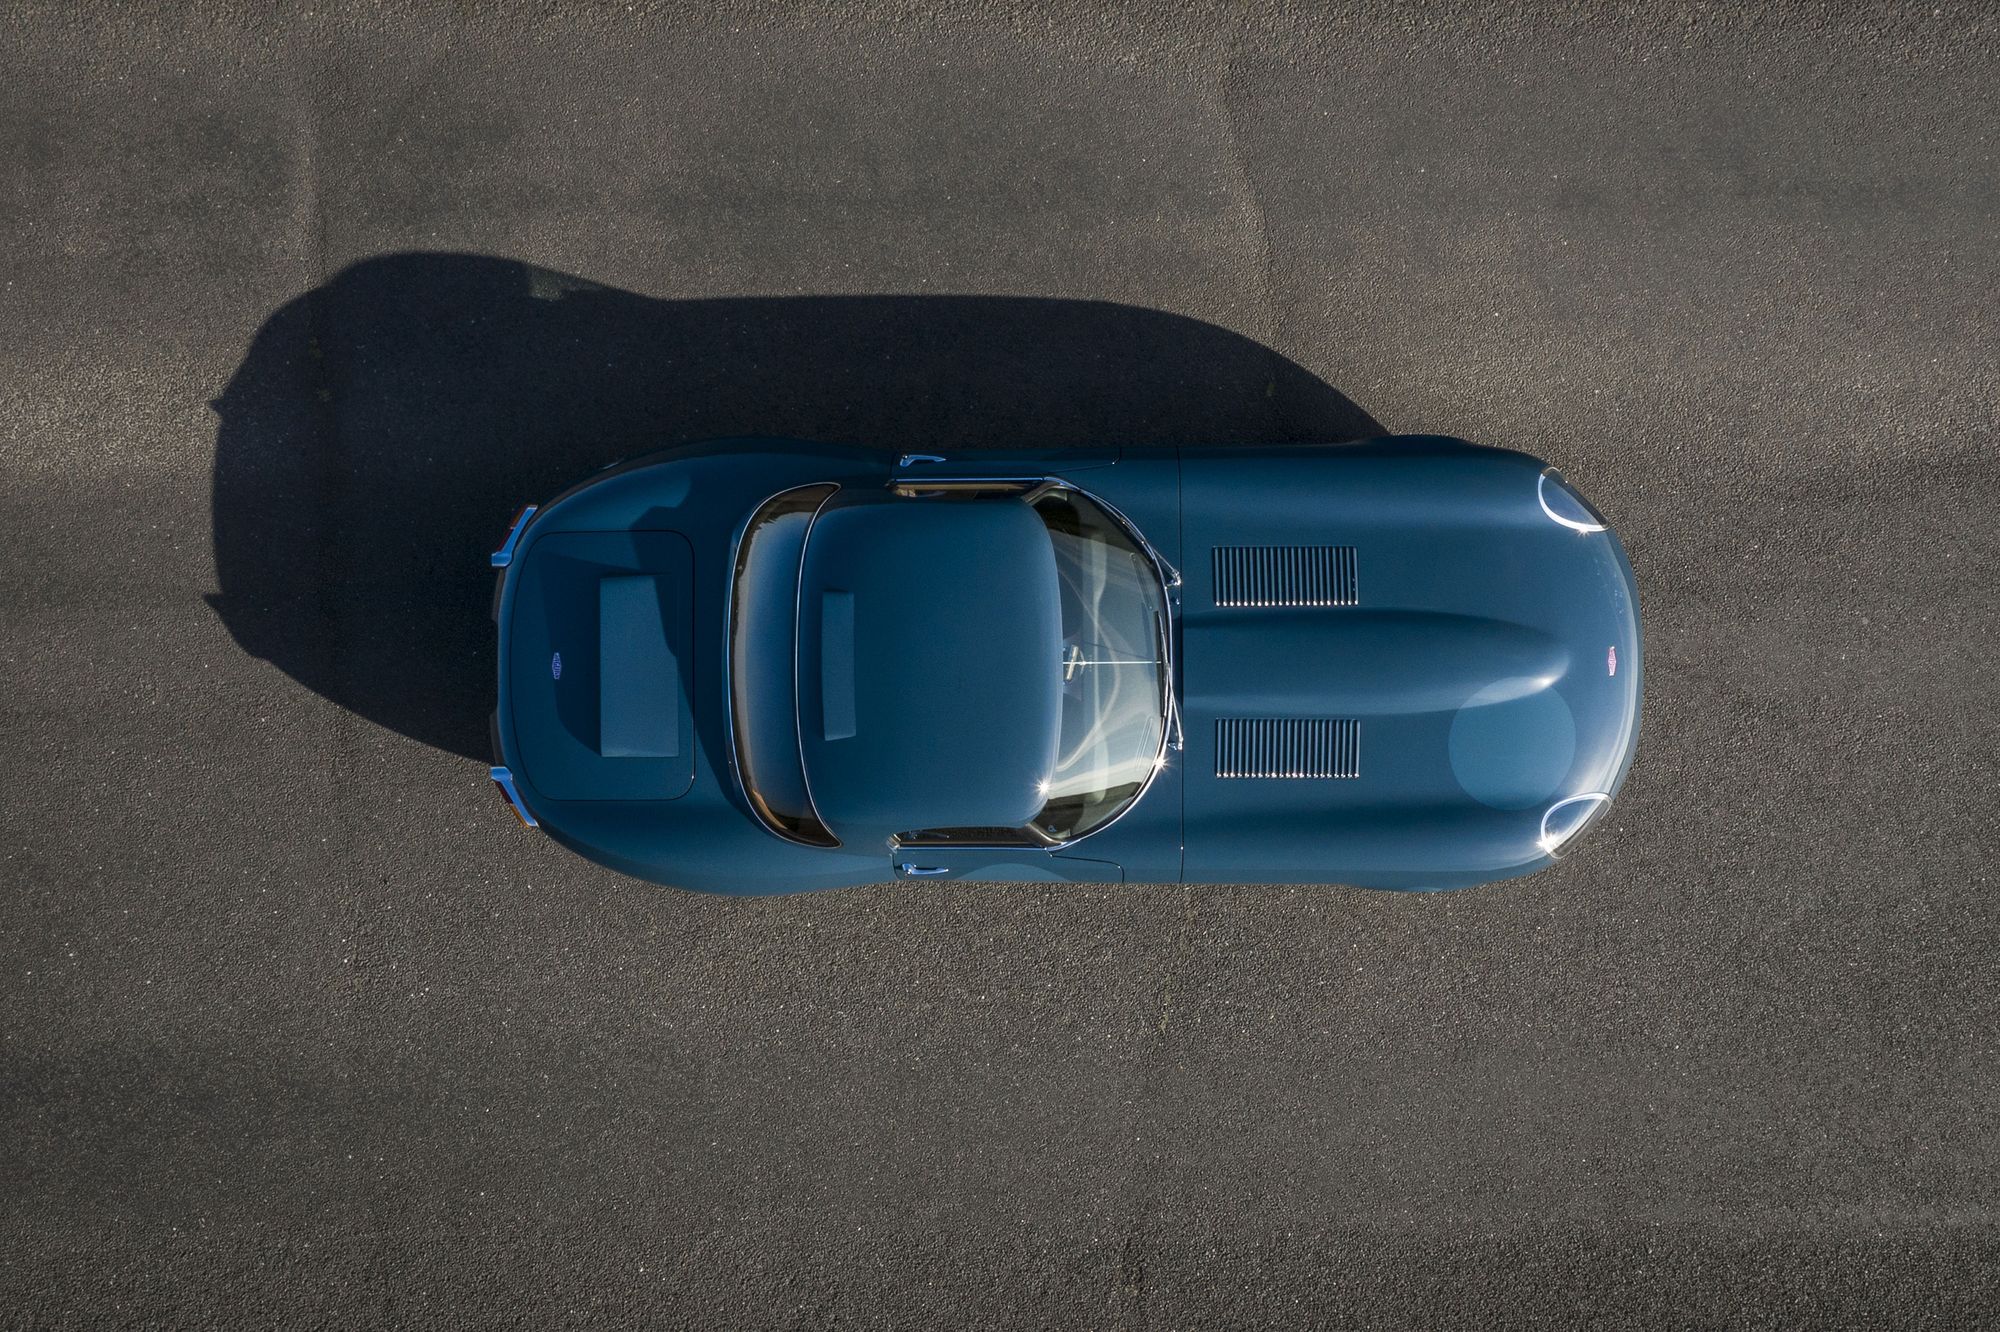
x=1113, y=666
x=763, y=669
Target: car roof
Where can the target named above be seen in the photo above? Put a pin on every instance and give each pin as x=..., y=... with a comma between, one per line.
x=929, y=638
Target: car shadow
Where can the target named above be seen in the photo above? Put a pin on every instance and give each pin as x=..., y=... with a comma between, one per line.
x=384, y=428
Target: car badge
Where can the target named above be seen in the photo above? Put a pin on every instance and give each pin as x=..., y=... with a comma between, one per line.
x=555, y=667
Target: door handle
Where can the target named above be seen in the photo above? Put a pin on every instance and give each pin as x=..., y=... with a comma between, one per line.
x=922, y=871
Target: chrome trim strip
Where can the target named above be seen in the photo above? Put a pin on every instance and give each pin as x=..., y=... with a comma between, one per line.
x=504, y=556
x=1170, y=577
x=504, y=779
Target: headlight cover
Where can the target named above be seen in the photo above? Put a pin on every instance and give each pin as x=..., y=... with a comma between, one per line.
x=1564, y=505
x=1562, y=821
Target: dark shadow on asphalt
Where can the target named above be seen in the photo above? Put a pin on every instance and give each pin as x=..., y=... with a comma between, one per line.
x=384, y=428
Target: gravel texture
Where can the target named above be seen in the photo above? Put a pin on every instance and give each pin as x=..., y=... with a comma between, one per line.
x=296, y=1029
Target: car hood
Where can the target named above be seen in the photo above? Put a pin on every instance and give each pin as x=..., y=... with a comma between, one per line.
x=1396, y=664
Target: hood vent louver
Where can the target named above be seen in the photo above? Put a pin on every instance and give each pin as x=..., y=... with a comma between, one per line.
x=1287, y=747
x=1285, y=576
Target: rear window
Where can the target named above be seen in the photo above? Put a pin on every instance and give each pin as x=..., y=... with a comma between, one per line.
x=763, y=665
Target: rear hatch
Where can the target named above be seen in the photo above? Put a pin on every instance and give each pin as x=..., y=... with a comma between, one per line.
x=597, y=663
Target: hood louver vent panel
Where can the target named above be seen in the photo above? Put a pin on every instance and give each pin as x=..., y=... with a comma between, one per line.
x=1287, y=747
x=1284, y=576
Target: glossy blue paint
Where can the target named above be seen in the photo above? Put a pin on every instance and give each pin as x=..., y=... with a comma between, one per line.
x=1478, y=605
x=578, y=734
x=951, y=713
x=1474, y=662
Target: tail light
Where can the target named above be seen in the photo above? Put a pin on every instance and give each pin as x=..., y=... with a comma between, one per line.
x=504, y=779
x=504, y=556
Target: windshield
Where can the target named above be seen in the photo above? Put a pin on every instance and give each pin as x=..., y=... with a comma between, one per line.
x=1114, y=667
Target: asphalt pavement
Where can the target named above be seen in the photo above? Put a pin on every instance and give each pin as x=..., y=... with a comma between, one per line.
x=298, y=1029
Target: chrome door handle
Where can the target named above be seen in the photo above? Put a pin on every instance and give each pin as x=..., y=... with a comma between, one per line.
x=922, y=871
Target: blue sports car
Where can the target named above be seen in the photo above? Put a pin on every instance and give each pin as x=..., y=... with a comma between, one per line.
x=768, y=666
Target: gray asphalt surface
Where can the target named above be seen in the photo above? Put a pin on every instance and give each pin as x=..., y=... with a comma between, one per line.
x=300, y=1031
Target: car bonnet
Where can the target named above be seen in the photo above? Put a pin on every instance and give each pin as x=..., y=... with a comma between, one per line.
x=1396, y=665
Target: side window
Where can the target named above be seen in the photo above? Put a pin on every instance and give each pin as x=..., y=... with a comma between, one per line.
x=972, y=837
